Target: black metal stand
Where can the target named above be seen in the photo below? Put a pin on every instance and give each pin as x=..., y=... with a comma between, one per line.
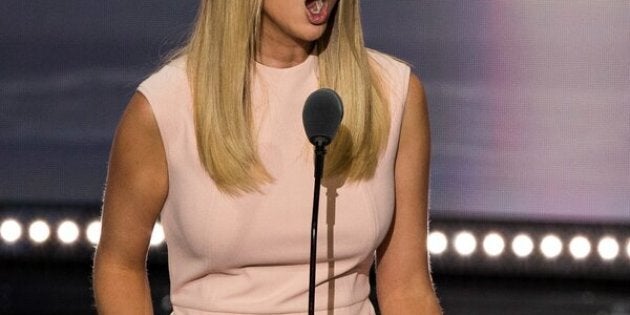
x=320, y=152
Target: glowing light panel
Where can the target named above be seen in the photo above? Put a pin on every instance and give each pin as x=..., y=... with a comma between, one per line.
x=437, y=243
x=93, y=232
x=493, y=244
x=608, y=248
x=580, y=247
x=157, y=236
x=39, y=231
x=465, y=243
x=10, y=231
x=522, y=245
x=551, y=246
x=68, y=232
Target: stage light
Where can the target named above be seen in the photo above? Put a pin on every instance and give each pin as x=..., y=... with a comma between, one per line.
x=608, y=248
x=93, y=232
x=551, y=246
x=437, y=243
x=465, y=243
x=522, y=245
x=157, y=236
x=580, y=247
x=493, y=244
x=39, y=231
x=10, y=231
x=68, y=232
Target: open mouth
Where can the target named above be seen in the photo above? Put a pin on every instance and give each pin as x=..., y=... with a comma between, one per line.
x=317, y=11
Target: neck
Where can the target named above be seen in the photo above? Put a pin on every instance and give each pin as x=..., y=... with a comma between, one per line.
x=279, y=51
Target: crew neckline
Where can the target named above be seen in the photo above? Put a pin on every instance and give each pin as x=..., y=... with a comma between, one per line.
x=308, y=61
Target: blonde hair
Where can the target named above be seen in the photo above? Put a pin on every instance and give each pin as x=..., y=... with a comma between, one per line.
x=220, y=56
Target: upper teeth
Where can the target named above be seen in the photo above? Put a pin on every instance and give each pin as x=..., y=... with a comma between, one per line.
x=317, y=7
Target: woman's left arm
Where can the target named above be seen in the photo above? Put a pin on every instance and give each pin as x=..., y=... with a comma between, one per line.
x=404, y=283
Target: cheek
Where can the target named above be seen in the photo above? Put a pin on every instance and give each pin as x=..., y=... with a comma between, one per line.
x=282, y=10
x=286, y=14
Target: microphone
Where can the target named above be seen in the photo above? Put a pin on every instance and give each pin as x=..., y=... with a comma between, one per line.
x=321, y=116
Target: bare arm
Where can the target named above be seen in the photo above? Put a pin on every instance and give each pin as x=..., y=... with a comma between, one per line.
x=137, y=185
x=403, y=275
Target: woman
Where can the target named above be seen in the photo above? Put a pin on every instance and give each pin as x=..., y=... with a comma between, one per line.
x=213, y=144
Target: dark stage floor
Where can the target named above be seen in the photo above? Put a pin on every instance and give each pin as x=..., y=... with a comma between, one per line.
x=64, y=288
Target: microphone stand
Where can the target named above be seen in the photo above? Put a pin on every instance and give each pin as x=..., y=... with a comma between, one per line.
x=320, y=152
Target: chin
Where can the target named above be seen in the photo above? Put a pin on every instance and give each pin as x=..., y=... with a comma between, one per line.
x=312, y=35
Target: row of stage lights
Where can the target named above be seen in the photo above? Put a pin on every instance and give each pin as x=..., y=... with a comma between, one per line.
x=464, y=243
x=68, y=232
x=551, y=246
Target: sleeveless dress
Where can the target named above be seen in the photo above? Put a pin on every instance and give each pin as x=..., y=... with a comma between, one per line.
x=250, y=254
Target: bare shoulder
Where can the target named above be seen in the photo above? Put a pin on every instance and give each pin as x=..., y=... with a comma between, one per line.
x=412, y=162
x=138, y=117
x=415, y=123
x=138, y=158
x=137, y=184
x=137, y=145
x=416, y=97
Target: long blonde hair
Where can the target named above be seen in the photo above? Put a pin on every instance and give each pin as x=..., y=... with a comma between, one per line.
x=220, y=55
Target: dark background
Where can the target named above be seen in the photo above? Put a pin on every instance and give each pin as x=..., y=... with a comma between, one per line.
x=528, y=99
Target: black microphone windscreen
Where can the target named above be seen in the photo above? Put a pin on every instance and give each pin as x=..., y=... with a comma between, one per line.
x=322, y=115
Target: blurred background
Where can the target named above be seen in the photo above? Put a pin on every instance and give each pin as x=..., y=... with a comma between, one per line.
x=530, y=118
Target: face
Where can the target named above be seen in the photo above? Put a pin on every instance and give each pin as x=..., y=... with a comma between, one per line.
x=296, y=20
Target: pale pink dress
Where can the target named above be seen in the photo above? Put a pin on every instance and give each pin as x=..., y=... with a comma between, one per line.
x=250, y=254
